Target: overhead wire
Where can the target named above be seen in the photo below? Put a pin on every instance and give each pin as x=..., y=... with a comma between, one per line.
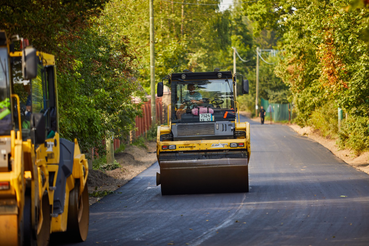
x=211, y=4
x=240, y=56
x=259, y=54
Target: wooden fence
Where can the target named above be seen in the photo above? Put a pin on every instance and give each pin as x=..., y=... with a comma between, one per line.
x=143, y=124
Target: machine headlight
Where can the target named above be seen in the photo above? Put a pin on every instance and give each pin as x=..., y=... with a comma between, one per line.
x=219, y=75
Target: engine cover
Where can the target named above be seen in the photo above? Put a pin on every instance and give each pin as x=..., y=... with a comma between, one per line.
x=208, y=130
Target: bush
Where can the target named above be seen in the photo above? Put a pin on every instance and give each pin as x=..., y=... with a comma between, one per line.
x=151, y=133
x=140, y=142
x=325, y=119
x=121, y=148
x=354, y=134
x=246, y=103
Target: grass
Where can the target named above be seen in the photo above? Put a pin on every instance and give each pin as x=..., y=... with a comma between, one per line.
x=100, y=164
x=121, y=148
x=150, y=136
x=100, y=193
x=140, y=142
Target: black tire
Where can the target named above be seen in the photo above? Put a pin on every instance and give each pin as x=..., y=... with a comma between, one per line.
x=43, y=237
x=27, y=221
x=78, y=215
x=247, y=181
x=164, y=192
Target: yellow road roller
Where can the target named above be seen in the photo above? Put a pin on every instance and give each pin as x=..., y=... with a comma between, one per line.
x=204, y=148
x=43, y=177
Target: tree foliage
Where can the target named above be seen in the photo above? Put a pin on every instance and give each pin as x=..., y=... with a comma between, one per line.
x=191, y=35
x=325, y=57
x=95, y=72
x=48, y=24
x=103, y=52
x=96, y=96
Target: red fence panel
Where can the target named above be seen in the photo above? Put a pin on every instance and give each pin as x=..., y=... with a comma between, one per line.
x=143, y=123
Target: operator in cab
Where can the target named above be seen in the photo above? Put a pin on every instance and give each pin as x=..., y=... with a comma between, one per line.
x=192, y=97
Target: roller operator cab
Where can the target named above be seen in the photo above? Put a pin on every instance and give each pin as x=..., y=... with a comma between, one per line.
x=204, y=148
x=42, y=176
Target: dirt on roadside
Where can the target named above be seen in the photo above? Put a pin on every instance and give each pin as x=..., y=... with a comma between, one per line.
x=133, y=160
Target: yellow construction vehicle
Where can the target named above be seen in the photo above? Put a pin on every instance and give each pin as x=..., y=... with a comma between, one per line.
x=42, y=176
x=204, y=148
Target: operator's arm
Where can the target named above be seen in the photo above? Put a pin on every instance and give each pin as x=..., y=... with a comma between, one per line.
x=197, y=101
x=198, y=98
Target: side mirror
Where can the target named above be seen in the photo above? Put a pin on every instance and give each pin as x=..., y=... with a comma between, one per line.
x=160, y=89
x=38, y=128
x=245, y=86
x=29, y=63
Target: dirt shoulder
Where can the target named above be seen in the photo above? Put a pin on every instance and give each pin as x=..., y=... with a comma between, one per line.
x=360, y=162
x=133, y=160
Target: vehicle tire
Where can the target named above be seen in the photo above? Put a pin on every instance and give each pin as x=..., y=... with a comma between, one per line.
x=247, y=189
x=27, y=221
x=164, y=192
x=43, y=237
x=78, y=215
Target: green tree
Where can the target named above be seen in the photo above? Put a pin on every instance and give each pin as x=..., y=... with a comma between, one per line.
x=325, y=59
x=97, y=93
x=95, y=72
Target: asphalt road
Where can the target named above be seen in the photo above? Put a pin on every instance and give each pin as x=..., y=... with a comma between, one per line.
x=301, y=194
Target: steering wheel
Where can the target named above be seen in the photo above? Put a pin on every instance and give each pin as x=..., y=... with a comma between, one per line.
x=188, y=103
x=23, y=109
x=217, y=101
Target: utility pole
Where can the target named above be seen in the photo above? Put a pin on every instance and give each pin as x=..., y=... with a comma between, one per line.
x=234, y=60
x=152, y=64
x=257, y=80
x=182, y=25
x=234, y=67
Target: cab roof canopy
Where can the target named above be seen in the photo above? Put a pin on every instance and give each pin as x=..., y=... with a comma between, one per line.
x=201, y=75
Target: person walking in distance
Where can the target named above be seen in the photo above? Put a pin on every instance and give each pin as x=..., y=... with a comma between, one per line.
x=262, y=114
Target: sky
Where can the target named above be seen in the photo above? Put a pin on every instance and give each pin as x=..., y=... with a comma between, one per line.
x=225, y=4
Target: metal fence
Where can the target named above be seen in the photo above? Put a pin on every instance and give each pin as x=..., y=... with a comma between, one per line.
x=279, y=112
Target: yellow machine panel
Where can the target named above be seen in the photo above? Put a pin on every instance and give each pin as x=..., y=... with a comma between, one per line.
x=43, y=177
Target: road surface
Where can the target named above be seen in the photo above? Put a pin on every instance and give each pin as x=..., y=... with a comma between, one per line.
x=301, y=194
